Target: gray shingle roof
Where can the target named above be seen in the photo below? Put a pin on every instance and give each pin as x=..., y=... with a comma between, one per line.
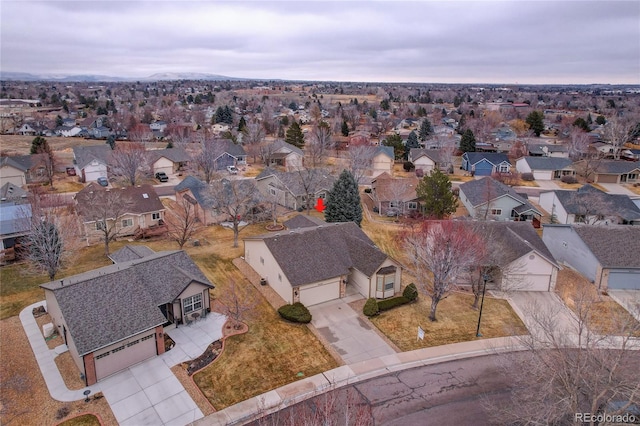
x=598, y=202
x=303, y=221
x=309, y=255
x=109, y=304
x=176, y=154
x=617, y=167
x=492, y=157
x=509, y=241
x=613, y=246
x=20, y=162
x=434, y=154
x=548, y=163
x=130, y=252
x=537, y=149
x=11, y=192
x=198, y=188
x=143, y=198
x=279, y=144
x=386, y=150
x=84, y=155
x=318, y=179
x=14, y=219
x=476, y=191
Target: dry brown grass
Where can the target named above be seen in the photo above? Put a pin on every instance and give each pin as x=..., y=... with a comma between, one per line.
x=606, y=316
x=564, y=185
x=82, y=420
x=24, y=398
x=633, y=188
x=457, y=322
x=600, y=187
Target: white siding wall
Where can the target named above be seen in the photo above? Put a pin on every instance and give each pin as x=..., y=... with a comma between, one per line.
x=361, y=282
x=425, y=164
x=531, y=272
x=254, y=251
x=9, y=174
x=522, y=166
x=53, y=309
x=163, y=165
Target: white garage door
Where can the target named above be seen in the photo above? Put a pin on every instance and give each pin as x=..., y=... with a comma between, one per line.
x=124, y=356
x=529, y=282
x=323, y=293
x=624, y=280
x=542, y=175
x=168, y=170
x=92, y=176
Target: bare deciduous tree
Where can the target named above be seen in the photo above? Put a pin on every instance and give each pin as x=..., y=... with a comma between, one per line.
x=360, y=160
x=182, y=222
x=236, y=199
x=253, y=136
x=129, y=160
x=568, y=369
x=440, y=252
x=319, y=144
x=616, y=132
x=237, y=306
x=205, y=159
x=104, y=208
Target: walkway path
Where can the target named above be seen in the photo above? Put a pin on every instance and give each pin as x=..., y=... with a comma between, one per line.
x=147, y=393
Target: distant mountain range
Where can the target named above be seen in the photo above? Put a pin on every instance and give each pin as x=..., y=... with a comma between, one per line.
x=23, y=76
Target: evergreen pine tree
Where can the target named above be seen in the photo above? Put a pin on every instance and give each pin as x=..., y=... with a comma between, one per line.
x=295, y=136
x=343, y=202
x=535, y=122
x=412, y=142
x=39, y=145
x=468, y=141
x=434, y=191
x=345, y=128
x=425, y=129
x=242, y=124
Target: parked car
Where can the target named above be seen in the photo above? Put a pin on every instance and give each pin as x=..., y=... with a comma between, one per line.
x=102, y=181
x=162, y=177
x=232, y=169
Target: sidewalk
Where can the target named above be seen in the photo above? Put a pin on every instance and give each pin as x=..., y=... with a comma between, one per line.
x=301, y=390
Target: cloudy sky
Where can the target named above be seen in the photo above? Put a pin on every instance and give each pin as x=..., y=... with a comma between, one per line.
x=391, y=41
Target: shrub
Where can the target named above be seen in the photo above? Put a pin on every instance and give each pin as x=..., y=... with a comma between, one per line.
x=569, y=179
x=419, y=173
x=370, y=307
x=408, y=166
x=295, y=313
x=527, y=177
x=410, y=292
x=386, y=304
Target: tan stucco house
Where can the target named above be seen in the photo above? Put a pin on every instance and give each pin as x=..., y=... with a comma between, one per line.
x=114, y=317
x=316, y=263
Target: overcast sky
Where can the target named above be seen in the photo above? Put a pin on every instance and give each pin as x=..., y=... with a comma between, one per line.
x=387, y=41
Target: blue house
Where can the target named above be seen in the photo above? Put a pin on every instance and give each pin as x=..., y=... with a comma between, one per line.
x=485, y=163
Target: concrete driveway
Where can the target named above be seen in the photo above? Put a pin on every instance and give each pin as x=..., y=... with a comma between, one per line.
x=614, y=188
x=544, y=314
x=350, y=336
x=628, y=299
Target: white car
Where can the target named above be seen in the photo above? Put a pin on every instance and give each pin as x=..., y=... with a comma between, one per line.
x=232, y=169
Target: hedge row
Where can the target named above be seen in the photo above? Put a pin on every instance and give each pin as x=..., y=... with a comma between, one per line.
x=373, y=307
x=296, y=313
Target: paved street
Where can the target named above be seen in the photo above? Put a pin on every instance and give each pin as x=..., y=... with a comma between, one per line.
x=449, y=393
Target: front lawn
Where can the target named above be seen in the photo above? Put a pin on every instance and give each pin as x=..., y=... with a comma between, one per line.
x=457, y=322
x=606, y=316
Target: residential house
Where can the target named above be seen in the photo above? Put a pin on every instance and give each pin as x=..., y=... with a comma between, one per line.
x=295, y=189
x=328, y=259
x=32, y=129
x=91, y=162
x=142, y=216
x=286, y=155
x=194, y=191
x=548, y=150
x=68, y=132
x=394, y=196
x=101, y=132
x=15, y=223
x=590, y=205
x=631, y=154
x=546, y=168
x=617, y=171
x=10, y=193
x=517, y=257
x=114, y=317
x=158, y=126
x=383, y=160
x=485, y=163
x=231, y=154
x=606, y=255
x=487, y=198
x=428, y=160
x=168, y=160
x=23, y=169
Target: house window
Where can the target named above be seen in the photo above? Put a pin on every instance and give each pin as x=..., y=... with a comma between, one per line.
x=127, y=223
x=393, y=204
x=412, y=205
x=155, y=216
x=504, y=168
x=100, y=225
x=192, y=303
x=272, y=191
x=632, y=176
x=580, y=218
x=496, y=212
x=385, y=282
x=322, y=195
